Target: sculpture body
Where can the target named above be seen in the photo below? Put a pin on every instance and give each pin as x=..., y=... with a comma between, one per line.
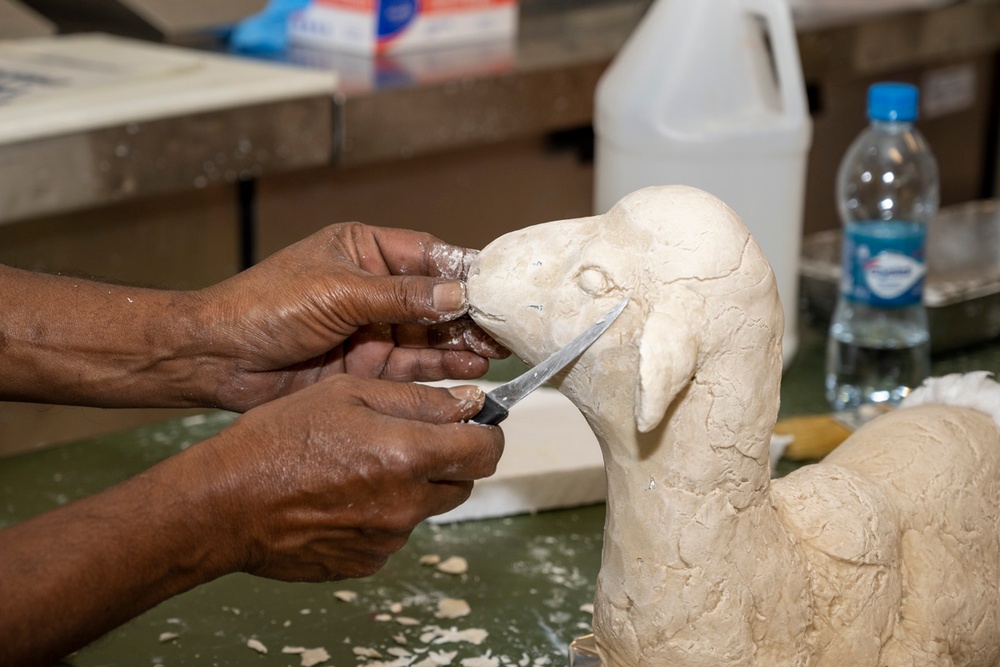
x=885, y=554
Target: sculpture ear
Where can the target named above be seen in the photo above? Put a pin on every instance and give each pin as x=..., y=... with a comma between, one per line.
x=668, y=355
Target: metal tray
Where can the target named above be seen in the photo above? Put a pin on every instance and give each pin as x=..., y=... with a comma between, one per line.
x=962, y=293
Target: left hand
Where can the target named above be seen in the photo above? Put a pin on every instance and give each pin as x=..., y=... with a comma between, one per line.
x=368, y=301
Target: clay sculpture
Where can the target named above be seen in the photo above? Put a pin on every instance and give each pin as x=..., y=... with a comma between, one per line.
x=886, y=553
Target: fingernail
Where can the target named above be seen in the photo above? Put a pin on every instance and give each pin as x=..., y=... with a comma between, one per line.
x=466, y=392
x=449, y=297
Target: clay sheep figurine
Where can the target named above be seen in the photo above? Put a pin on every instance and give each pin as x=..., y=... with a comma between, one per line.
x=886, y=553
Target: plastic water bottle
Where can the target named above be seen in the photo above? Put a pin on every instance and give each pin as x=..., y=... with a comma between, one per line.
x=887, y=193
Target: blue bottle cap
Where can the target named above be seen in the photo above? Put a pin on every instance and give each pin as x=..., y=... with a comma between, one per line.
x=893, y=102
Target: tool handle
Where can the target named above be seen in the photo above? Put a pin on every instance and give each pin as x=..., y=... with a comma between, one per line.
x=492, y=413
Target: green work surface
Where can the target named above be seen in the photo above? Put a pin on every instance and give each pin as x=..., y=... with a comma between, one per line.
x=527, y=579
x=527, y=582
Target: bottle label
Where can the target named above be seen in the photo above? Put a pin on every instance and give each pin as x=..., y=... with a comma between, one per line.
x=883, y=263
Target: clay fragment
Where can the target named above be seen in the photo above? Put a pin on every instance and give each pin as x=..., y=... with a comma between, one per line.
x=453, y=565
x=452, y=608
x=256, y=645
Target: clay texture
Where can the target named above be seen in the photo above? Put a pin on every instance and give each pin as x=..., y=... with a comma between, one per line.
x=884, y=554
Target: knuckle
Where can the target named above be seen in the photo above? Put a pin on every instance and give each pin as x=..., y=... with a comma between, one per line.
x=400, y=463
x=414, y=295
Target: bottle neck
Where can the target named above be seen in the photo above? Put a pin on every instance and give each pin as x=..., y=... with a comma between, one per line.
x=891, y=125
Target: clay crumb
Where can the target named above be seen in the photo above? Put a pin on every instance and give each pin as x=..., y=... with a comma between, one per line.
x=436, y=635
x=430, y=559
x=382, y=618
x=345, y=596
x=454, y=565
x=406, y=620
x=452, y=608
x=399, y=638
x=363, y=652
x=308, y=657
x=257, y=645
x=588, y=608
x=481, y=661
x=168, y=636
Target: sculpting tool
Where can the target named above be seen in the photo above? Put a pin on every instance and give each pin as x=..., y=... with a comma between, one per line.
x=500, y=400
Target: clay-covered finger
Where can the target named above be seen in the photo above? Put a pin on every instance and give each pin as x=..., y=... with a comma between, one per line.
x=407, y=252
x=421, y=403
x=445, y=447
x=460, y=334
x=426, y=365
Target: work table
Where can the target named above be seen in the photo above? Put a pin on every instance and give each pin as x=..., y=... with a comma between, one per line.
x=528, y=581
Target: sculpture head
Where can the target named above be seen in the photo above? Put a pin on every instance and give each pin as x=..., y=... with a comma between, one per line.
x=698, y=285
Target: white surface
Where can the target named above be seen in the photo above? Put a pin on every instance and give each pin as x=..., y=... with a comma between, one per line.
x=551, y=459
x=61, y=85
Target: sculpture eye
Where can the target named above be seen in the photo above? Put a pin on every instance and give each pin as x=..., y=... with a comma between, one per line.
x=594, y=281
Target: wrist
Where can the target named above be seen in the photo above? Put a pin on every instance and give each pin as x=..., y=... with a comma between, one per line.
x=216, y=505
x=193, y=353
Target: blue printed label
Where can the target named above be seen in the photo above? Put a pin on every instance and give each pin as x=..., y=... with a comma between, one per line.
x=883, y=263
x=394, y=16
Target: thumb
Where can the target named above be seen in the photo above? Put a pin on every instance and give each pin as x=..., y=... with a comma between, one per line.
x=411, y=299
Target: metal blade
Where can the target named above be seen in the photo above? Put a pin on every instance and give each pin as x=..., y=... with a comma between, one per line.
x=510, y=393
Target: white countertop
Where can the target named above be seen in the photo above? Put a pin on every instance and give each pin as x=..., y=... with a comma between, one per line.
x=51, y=86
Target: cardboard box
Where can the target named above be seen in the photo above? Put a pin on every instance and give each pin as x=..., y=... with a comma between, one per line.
x=384, y=26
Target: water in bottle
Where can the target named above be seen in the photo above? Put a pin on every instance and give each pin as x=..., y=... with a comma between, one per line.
x=887, y=193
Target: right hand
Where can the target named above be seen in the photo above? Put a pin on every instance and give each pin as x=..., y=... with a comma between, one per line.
x=328, y=482
x=367, y=301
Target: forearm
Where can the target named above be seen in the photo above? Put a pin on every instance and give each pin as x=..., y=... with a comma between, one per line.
x=70, y=576
x=64, y=340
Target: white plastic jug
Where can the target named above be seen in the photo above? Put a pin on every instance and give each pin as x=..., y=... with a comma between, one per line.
x=697, y=97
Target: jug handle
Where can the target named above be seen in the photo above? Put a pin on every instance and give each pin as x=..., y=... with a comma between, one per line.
x=778, y=16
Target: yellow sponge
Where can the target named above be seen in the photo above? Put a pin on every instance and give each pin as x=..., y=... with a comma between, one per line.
x=815, y=436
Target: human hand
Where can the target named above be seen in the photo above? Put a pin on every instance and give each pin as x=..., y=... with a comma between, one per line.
x=367, y=301
x=324, y=484
x=329, y=482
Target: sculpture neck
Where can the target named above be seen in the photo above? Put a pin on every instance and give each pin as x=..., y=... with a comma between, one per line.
x=709, y=441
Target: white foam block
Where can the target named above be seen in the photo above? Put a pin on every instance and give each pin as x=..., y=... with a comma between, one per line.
x=551, y=460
